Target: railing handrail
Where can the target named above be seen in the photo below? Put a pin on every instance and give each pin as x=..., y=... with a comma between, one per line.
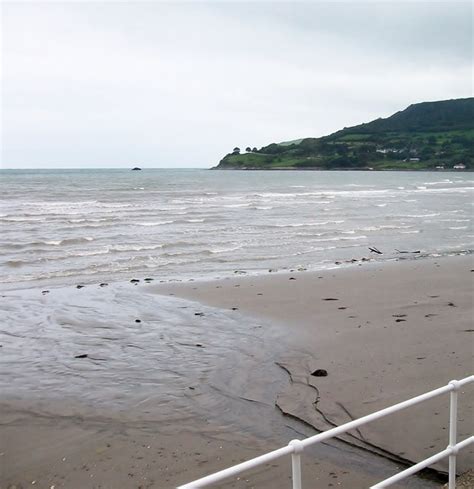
x=295, y=447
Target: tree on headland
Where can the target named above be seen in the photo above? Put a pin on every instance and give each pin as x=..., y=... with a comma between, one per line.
x=236, y=150
x=423, y=136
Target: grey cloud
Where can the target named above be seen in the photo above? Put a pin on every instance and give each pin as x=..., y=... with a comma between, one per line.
x=104, y=84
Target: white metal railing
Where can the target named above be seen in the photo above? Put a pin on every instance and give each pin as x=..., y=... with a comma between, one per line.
x=296, y=447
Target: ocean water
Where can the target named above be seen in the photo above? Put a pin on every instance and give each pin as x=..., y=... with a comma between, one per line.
x=70, y=226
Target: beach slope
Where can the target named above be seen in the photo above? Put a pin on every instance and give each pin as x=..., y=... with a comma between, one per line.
x=384, y=332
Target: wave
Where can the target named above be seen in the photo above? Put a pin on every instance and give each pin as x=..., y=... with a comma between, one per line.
x=384, y=226
x=52, y=242
x=70, y=241
x=454, y=220
x=462, y=190
x=224, y=250
x=236, y=205
x=156, y=223
x=125, y=247
x=38, y=244
x=442, y=182
x=304, y=224
x=433, y=214
x=90, y=219
x=348, y=238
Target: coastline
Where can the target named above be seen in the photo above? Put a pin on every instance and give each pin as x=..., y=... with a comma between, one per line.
x=289, y=168
x=385, y=332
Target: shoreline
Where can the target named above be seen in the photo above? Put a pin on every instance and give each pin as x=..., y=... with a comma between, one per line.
x=359, y=324
x=426, y=170
x=368, y=259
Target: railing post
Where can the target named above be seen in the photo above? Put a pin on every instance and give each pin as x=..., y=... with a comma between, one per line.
x=453, y=420
x=296, y=463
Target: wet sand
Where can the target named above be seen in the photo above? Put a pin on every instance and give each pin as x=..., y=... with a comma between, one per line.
x=46, y=450
x=50, y=451
x=195, y=387
x=383, y=332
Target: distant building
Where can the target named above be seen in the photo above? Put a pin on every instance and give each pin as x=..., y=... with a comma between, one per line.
x=414, y=159
x=459, y=166
x=440, y=167
x=385, y=151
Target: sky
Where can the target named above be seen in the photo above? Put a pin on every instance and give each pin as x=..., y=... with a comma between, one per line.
x=180, y=84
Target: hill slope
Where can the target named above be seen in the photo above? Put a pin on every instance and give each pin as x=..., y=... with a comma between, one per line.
x=423, y=136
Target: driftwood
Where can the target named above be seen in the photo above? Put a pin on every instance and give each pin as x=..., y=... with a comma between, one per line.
x=375, y=250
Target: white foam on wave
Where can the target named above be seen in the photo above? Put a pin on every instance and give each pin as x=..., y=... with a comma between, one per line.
x=433, y=214
x=83, y=219
x=454, y=220
x=129, y=247
x=225, y=250
x=442, y=182
x=306, y=224
x=347, y=238
x=231, y=206
x=99, y=251
x=384, y=226
x=461, y=190
x=156, y=223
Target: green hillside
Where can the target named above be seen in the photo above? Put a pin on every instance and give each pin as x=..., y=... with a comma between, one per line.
x=428, y=135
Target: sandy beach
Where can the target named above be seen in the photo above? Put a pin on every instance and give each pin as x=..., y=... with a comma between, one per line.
x=75, y=452
x=383, y=332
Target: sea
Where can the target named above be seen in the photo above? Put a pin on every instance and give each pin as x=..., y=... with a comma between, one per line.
x=79, y=335
x=84, y=226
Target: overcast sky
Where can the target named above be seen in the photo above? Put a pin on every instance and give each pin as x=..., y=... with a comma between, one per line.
x=154, y=84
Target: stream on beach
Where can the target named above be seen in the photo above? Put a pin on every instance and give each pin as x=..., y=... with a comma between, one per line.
x=118, y=352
